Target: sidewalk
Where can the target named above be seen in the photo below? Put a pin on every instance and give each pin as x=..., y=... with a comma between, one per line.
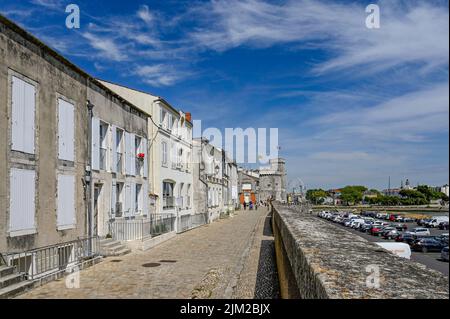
x=220, y=260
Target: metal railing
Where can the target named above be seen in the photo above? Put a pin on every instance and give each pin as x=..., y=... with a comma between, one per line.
x=46, y=261
x=2, y=261
x=188, y=222
x=140, y=229
x=168, y=202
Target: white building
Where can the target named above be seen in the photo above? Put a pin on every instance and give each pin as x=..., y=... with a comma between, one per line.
x=170, y=159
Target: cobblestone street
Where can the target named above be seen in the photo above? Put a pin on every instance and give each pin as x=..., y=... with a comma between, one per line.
x=230, y=258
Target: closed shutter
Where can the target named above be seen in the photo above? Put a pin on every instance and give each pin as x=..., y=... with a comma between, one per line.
x=127, y=192
x=23, y=116
x=114, y=149
x=113, y=199
x=66, y=128
x=145, y=199
x=22, y=200
x=133, y=199
x=130, y=155
x=129, y=158
x=66, y=201
x=95, y=161
x=146, y=160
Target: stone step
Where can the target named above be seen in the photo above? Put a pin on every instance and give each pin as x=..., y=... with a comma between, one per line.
x=16, y=289
x=11, y=280
x=111, y=244
x=117, y=252
x=6, y=271
x=106, y=240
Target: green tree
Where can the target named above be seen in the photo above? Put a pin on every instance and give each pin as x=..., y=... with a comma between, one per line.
x=316, y=196
x=352, y=195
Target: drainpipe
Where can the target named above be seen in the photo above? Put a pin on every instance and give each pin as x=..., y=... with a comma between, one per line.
x=201, y=180
x=88, y=175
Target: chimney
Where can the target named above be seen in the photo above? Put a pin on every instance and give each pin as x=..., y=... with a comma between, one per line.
x=189, y=117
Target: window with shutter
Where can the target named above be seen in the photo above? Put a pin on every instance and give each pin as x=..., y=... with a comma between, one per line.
x=66, y=131
x=22, y=202
x=66, y=202
x=23, y=110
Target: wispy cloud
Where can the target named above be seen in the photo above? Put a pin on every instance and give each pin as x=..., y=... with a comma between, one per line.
x=106, y=46
x=158, y=75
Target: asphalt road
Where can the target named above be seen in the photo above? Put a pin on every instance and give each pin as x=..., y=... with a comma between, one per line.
x=431, y=260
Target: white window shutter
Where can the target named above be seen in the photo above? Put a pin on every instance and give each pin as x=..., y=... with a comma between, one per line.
x=114, y=149
x=22, y=200
x=127, y=192
x=95, y=160
x=113, y=199
x=132, y=154
x=66, y=130
x=23, y=116
x=66, y=201
x=127, y=154
x=133, y=198
x=146, y=161
x=145, y=199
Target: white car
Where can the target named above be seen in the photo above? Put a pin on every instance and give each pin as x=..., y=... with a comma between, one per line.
x=420, y=232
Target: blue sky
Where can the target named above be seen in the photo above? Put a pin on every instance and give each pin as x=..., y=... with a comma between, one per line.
x=353, y=105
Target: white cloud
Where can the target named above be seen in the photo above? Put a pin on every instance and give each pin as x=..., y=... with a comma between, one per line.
x=158, y=75
x=106, y=46
x=409, y=33
x=49, y=4
x=145, y=14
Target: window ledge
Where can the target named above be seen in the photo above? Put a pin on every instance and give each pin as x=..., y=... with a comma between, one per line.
x=18, y=233
x=67, y=227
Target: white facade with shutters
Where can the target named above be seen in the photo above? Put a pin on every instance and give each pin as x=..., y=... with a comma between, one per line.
x=119, y=161
x=170, y=157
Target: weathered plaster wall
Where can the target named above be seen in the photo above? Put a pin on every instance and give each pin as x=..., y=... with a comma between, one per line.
x=53, y=79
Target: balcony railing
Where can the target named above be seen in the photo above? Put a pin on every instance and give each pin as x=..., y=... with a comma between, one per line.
x=42, y=262
x=127, y=230
x=168, y=202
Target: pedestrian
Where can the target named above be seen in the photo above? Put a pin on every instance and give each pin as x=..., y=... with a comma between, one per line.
x=245, y=205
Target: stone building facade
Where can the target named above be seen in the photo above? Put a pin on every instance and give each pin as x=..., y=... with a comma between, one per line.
x=272, y=181
x=49, y=111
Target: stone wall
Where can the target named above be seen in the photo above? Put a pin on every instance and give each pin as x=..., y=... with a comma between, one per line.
x=328, y=262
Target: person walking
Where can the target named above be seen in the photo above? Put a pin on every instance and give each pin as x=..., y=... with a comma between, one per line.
x=245, y=205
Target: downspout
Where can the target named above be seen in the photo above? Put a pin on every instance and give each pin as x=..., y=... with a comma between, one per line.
x=201, y=180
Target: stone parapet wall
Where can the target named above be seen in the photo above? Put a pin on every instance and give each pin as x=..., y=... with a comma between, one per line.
x=327, y=262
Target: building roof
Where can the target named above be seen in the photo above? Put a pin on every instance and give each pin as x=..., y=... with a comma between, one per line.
x=57, y=56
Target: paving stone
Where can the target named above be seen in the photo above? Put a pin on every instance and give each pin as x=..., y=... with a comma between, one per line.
x=206, y=258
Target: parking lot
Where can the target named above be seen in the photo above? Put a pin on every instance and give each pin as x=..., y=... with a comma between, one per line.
x=430, y=259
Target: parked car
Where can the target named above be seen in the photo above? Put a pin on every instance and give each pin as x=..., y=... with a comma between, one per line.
x=406, y=238
x=379, y=230
x=390, y=233
x=422, y=222
x=426, y=245
x=443, y=238
x=401, y=227
x=420, y=232
x=435, y=221
x=408, y=220
x=443, y=226
x=444, y=254
x=365, y=227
